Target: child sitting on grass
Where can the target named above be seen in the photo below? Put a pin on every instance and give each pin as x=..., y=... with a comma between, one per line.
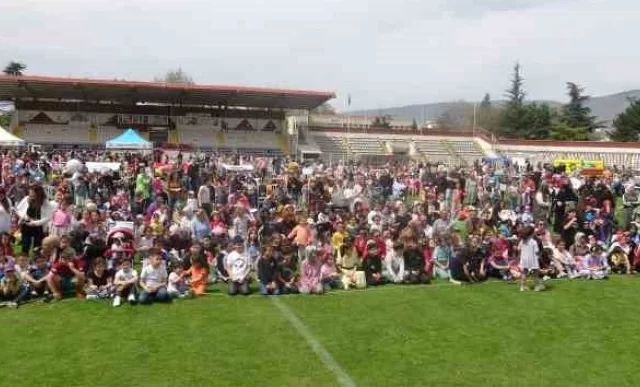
x=153, y=280
x=267, y=268
x=310, y=273
x=238, y=266
x=5, y=261
x=619, y=261
x=99, y=281
x=12, y=289
x=286, y=273
x=178, y=287
x=198, y=274
x=125, y=282
x=594, y=265
x=36, y=277
x=66, y=274
x=329, y=274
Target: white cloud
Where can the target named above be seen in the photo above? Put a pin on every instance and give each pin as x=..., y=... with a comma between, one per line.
x=384, y=53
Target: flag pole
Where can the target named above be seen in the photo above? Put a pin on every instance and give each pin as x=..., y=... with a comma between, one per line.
x=473, y=130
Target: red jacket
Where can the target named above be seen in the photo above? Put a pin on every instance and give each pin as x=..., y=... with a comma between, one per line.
x=360, y=244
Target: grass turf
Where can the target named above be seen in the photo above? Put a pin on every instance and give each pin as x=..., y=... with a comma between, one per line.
x=579, y=333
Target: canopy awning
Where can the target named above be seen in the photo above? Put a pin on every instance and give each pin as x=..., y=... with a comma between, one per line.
x=8, y=139
x=130, y=139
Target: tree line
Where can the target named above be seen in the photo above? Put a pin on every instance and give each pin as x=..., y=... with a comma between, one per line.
x=573, y=121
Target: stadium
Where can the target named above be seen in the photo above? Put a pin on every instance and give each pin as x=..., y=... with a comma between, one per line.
x=438, y=332
x=67, y=113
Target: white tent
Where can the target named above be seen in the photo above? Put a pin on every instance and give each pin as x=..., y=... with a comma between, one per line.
x=8, y=139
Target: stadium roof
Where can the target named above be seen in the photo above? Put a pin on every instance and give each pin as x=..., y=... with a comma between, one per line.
x=126, y=92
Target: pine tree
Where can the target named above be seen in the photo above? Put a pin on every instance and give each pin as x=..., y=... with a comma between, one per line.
x=574, y=113
x=486, y=102
x=513, y=119
x=627, y=124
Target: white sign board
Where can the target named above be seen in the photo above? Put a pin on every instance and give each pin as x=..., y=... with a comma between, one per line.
x=97, y=167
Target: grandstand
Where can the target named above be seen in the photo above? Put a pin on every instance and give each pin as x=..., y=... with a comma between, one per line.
x=461, y=147
x=71, y=113
x=82, y=114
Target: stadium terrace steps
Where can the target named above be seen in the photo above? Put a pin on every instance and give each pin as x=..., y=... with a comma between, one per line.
x=478, y=148
x=366, y=145
x=331, y=146
x=106, y=133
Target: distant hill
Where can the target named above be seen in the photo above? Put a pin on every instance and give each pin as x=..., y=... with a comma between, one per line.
x=606, y=108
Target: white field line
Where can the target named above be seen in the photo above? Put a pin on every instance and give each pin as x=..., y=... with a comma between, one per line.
x=343, y=378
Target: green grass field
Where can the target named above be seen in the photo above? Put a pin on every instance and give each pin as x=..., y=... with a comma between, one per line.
x=575, y=334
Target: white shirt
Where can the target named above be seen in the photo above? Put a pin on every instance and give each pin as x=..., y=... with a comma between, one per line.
x=238, y=265
x=151, y=276
x=372, y=214
x=394, y=265
x=5, y=220
x=123, y=276
x=204, y=196
x=176, y=284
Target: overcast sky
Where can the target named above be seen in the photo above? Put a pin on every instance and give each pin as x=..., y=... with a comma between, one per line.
x=384, y=53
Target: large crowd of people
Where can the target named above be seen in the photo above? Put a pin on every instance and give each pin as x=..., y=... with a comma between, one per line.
x=138, y=228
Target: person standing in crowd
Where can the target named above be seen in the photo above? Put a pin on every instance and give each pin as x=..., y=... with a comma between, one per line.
x=34, y=213
x=529, y=260
x=5, y=212
x=143, y=186
x=302, y=237
x=204, y=196
x=174, y=188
